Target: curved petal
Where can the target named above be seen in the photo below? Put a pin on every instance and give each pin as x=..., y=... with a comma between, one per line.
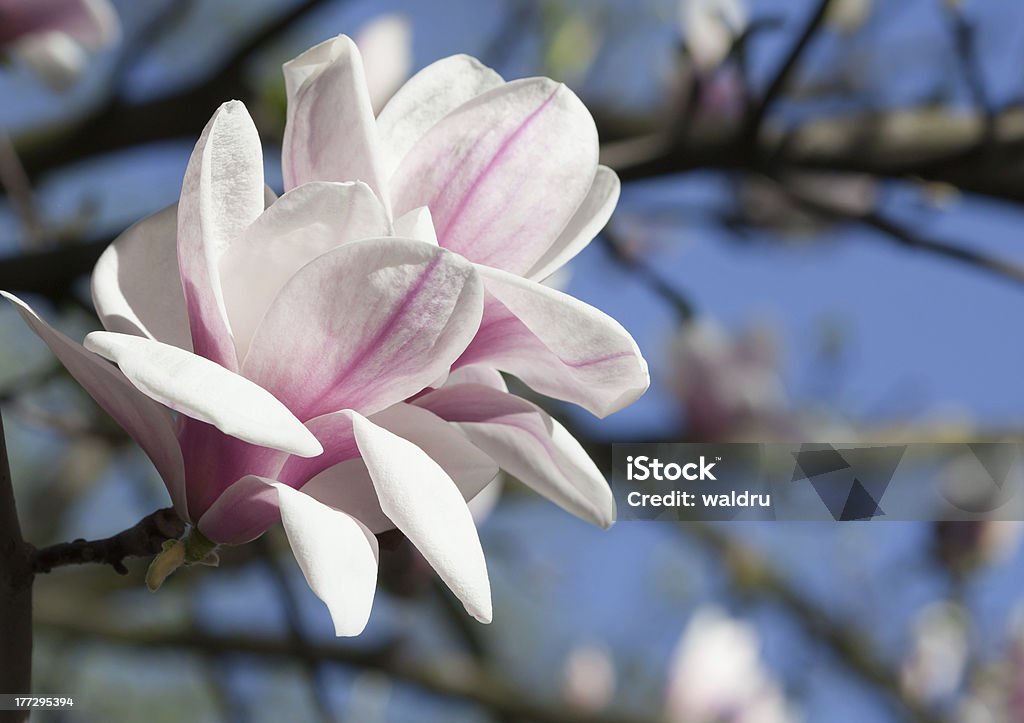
x=365, y=326
x=147, y=422
x=528, y=444
x=425, y=99
x=504, y=173
x=206, y=391
x=303, y=224
x=340, y=478
x=417, y=224
x=425, y=504
x=223, y=192
x=242, y=512
x=487, y=376
x=330, y=134
x=336, y=553
x=557, y=344
x=136, y=286
x=589, y=219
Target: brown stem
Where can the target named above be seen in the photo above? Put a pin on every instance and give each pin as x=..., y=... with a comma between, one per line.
x=15, y=595
x=145, y=539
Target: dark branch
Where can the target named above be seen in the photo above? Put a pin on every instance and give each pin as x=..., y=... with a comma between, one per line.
x=908, y=239
x=782, y=76
x=15, y=595
x=143, y=540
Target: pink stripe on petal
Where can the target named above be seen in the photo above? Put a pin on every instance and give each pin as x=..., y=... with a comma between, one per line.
x=503, y=173
x=556, y=344
x=365, y=326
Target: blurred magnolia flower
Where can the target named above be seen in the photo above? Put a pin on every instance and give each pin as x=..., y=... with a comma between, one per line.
x=849, y=16
x=716, y=674
x=385, y=43
x=53, y=36
x=506, y=174
x=709, y=29
x=728, y=385
x=935, y=666
x=589, y=682
x=285, y=339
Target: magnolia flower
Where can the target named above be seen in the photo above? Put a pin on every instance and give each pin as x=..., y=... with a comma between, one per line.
x=506, y=175
x=52, y=36
x=386, y=44
x=285, y=339
x=709, y=29
x=717, y=674
x=728, y=385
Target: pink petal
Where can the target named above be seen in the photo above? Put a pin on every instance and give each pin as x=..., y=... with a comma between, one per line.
x=365, y=326
x=330, y=134
x=528, y=444
x=222, y=194
x=136, y=286
x=589, y=219
x=303, y=224
x=147, y=422
x=93, y=23
x=504, y=173
x=557, y=344
x=242, y=512
x=425, y=99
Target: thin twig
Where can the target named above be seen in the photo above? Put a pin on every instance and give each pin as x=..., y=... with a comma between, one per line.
x=143, y=539
x=15, y=183
x=782, y=76
x=906, y=238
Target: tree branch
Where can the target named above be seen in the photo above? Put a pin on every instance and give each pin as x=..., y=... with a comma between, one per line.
x=451, y=680
x=142, y=540
x=15, y=595
x=782, y=76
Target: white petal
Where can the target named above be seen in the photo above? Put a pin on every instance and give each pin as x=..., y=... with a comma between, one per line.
x=206, y=391
x=425, y=504
x=331, y=134
x=136, y=287
x=222, y=194
x=557, y=344
x=426, y=98
x=365, y=326
x=417, y=224
x=528, y=444
x=337, y=554
x=589, y=219
x=504, y=173
x=339, y=476
x=303, y=224
x=147, y=422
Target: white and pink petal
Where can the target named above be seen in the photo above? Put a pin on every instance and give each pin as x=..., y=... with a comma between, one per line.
x=147, y=422
x=365, y=326
x=557, y=345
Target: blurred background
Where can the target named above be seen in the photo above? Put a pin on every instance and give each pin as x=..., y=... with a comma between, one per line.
x=818, y=240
